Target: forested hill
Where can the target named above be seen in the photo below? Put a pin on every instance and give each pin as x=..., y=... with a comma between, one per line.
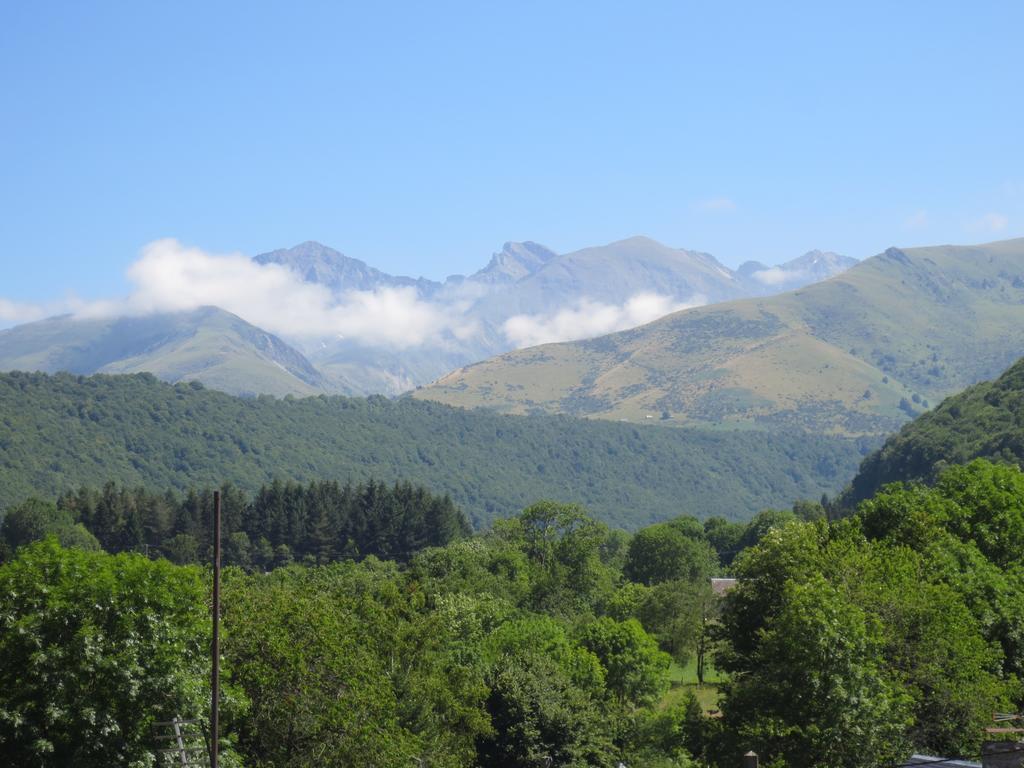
x=60, y=432
x=983, y=421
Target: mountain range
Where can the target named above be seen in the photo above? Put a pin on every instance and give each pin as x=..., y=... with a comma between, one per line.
x=527, y=293
x=857, y=354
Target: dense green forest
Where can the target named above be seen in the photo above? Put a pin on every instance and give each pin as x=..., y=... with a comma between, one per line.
x=983, y=421
x=321, y=523
x=365, y=623
x=549, y=639
x=60, y=432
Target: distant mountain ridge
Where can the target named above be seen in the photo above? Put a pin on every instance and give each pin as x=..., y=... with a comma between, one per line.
x=208, y=344
x=857, y=354
x=613, y=273
x=604, y=273
x=513, y=262
x=812, y=267
x=526, y=279
x=332, y=269
x=524, y=282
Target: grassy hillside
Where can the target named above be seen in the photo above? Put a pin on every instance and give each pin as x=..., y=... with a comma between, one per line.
x=58, y=432
x=983, y=421
x=208, y=345
x=845, y=356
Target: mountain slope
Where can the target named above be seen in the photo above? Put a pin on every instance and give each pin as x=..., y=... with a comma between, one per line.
x=208, y=345
x=845, y=356
x=984, y=421
x=58, y=432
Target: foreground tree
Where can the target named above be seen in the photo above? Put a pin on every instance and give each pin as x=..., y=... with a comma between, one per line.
x=540, y=718
x=634, y=666
x=318, y=690
x=665, y=552
x=832, y=638
x=93, y=649
x=563, y=546
x=816, y=694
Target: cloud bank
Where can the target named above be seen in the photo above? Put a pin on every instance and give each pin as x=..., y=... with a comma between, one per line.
x=777, y=276
x=170, y=277
x=18, y=312
x=587, y=319
x=15, y=312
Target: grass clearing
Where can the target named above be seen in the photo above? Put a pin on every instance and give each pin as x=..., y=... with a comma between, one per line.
x=683, y=681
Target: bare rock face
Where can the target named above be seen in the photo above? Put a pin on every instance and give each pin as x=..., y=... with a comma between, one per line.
x=317, y=263
x=514, y=262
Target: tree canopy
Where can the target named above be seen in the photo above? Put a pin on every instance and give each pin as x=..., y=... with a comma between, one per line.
x=983, y=421
x=94, y=649
x=60, y=432
x=551, y=636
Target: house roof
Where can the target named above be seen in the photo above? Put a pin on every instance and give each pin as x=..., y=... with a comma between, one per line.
x=921, y=761
x=721, y=586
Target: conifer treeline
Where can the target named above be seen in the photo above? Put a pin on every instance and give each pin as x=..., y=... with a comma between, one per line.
x=319, y=523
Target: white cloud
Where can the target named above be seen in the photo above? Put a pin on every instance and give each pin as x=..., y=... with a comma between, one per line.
x=15, y=312
x=170, y=277
x=587, y=319
x=719, y=204
x=992, y=222
x=778, y=276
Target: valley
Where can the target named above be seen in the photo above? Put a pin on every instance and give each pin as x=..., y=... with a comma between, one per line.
x=511, y=385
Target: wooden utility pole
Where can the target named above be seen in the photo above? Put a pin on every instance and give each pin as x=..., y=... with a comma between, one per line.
x=215, y=645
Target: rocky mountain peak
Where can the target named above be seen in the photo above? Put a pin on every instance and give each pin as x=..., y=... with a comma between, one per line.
x=319, y=264
x=513, y=262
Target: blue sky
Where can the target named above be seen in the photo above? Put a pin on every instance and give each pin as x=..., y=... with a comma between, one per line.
x=420, y=136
